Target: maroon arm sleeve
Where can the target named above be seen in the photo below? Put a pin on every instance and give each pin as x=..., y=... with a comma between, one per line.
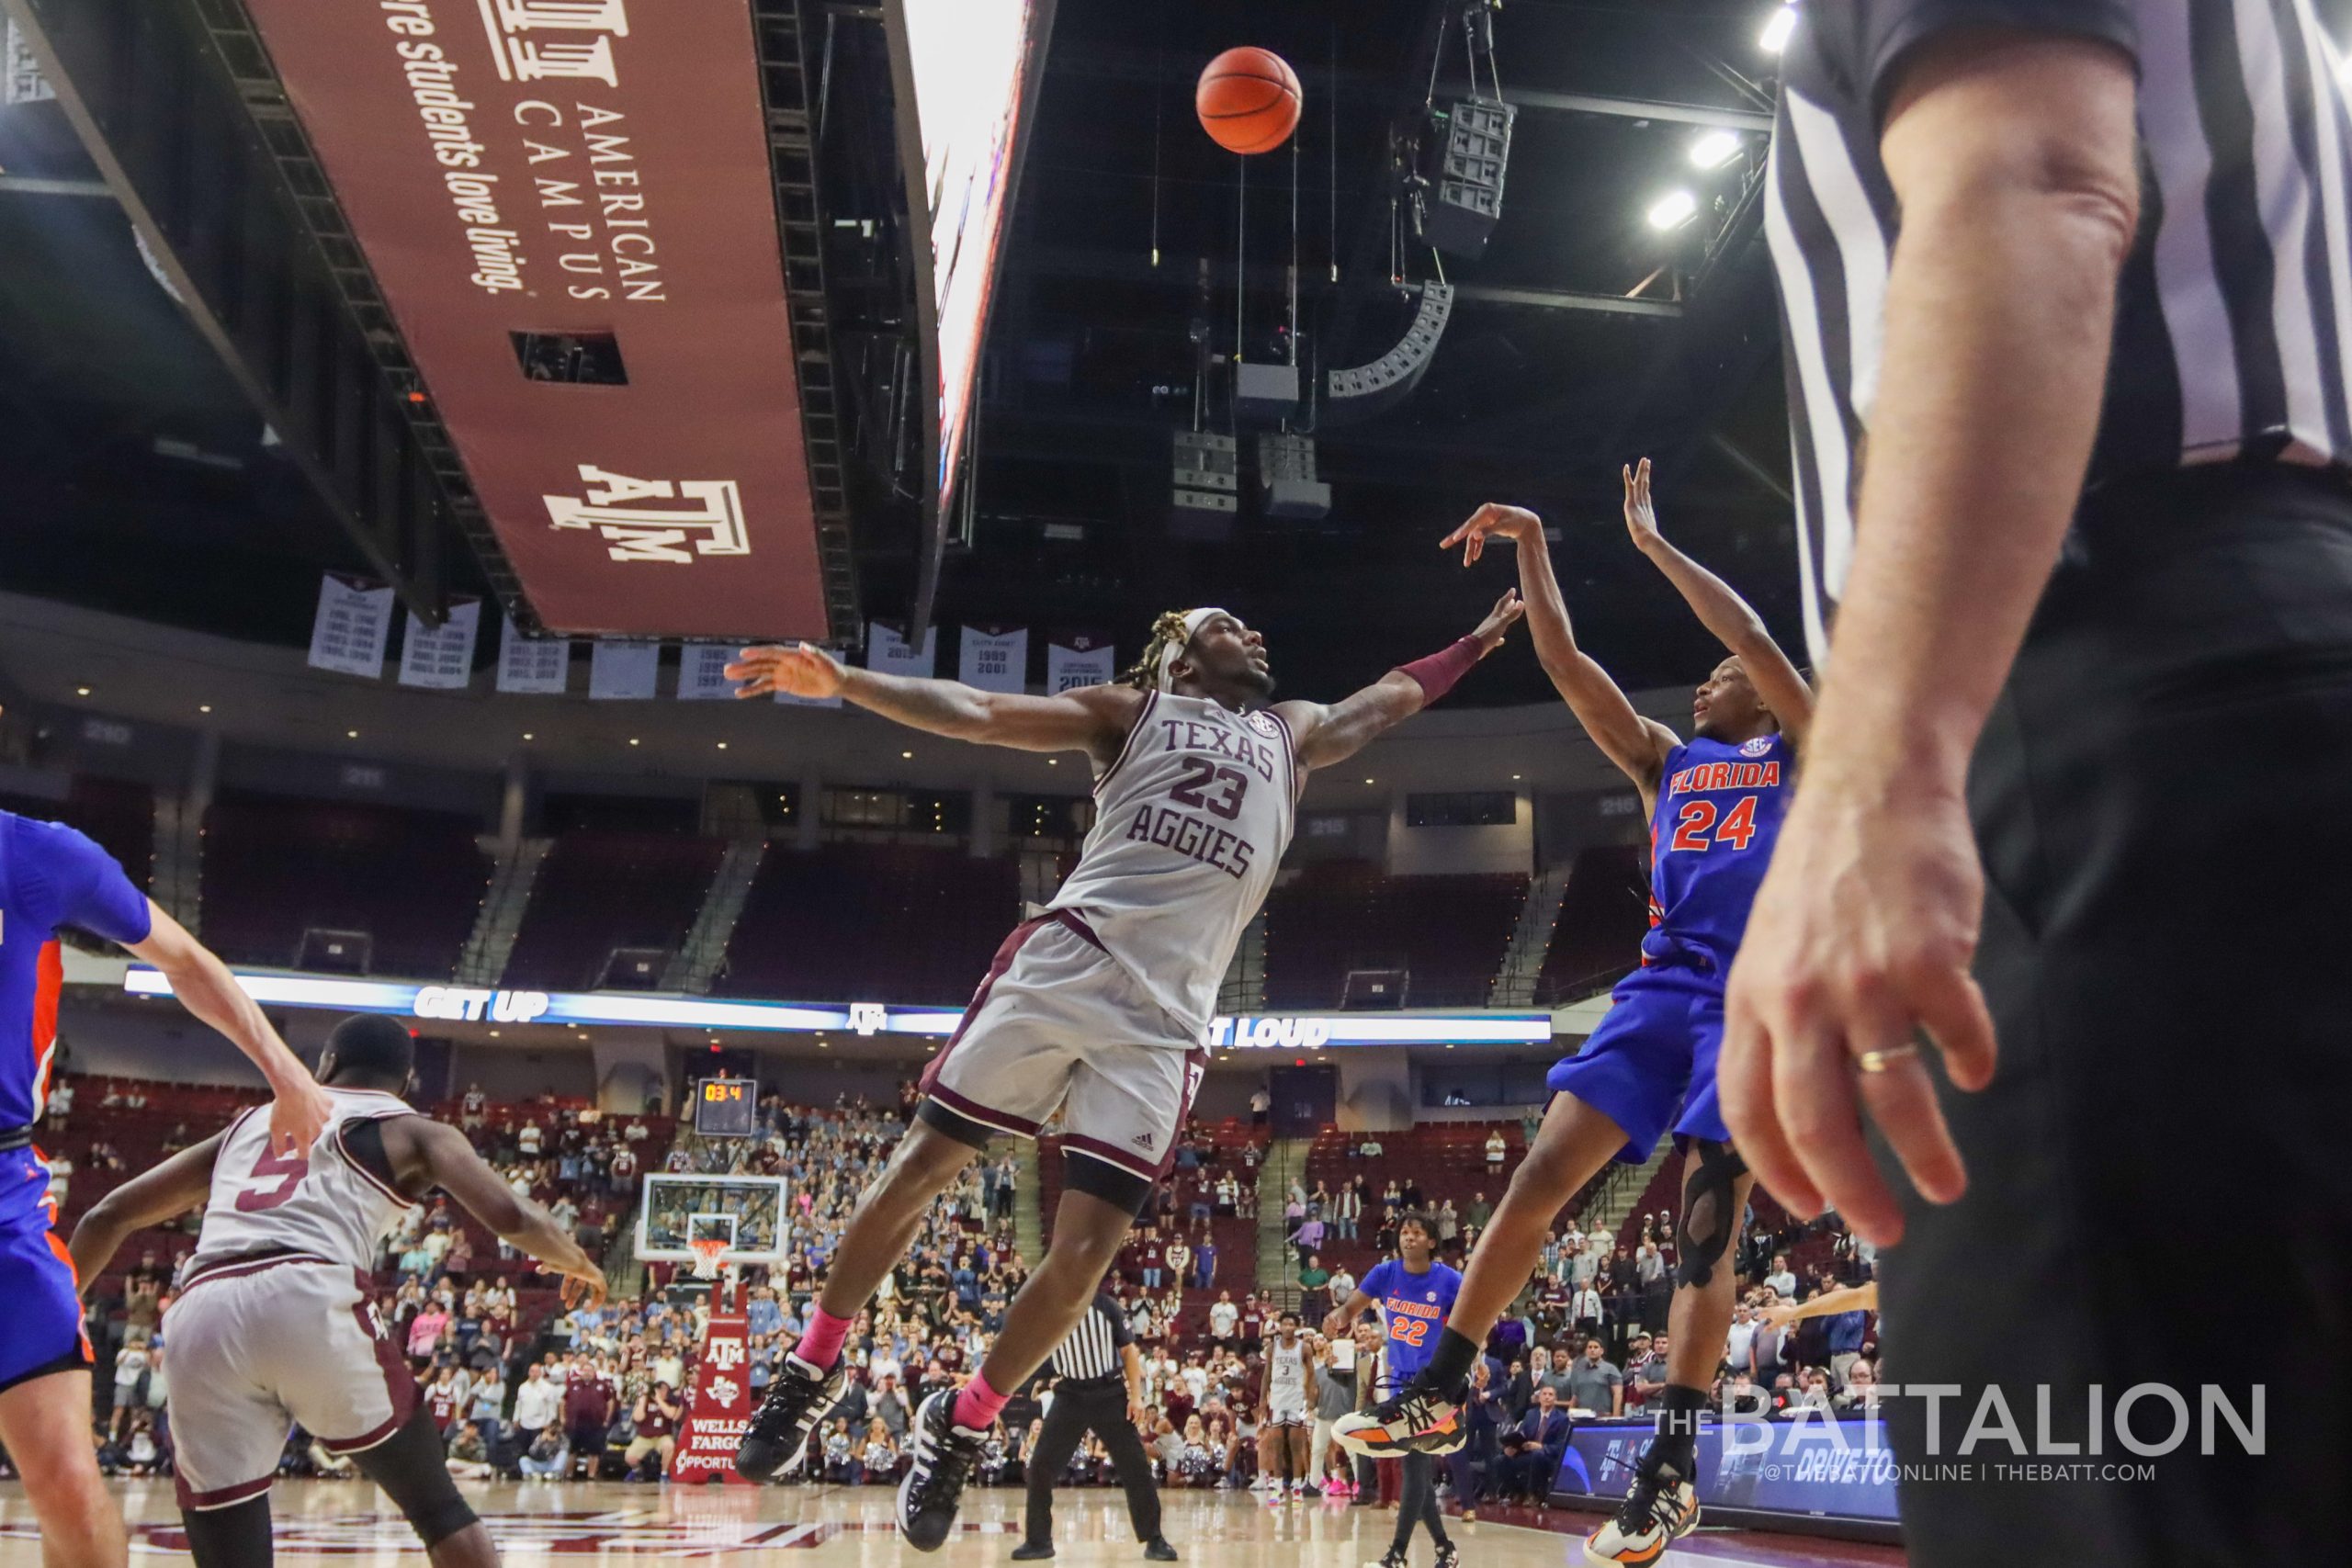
x=1437, y=673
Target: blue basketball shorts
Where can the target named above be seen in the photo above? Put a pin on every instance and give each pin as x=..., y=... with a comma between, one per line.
x=41, y=1331
x=1650, y=1067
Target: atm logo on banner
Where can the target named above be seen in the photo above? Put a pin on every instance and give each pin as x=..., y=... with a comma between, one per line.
x=708, y=516
x=1270, y=1034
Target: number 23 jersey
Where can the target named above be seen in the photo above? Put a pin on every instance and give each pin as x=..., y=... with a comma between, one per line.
x=1191, y=820
x=323, y=1204
x=1718, y=814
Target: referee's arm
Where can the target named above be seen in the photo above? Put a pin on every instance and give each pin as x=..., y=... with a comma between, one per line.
x=1131, y=1359
x=2012, y=153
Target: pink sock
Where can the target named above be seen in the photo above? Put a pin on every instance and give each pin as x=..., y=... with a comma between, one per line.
x=977, y=1406
x=822, y=1346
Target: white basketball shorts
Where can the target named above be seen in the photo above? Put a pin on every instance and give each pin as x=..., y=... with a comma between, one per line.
x=258, y=1345
x=1058, y=1025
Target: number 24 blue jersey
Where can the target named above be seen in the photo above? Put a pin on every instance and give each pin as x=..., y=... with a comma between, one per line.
x=1718, y=814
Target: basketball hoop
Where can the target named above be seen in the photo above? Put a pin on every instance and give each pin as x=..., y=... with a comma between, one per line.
x=708, y=1250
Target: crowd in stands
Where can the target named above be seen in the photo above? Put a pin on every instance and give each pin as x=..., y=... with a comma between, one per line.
x=524, y=1389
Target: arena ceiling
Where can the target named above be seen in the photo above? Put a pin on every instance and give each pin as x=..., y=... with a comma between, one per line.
x=138, y=479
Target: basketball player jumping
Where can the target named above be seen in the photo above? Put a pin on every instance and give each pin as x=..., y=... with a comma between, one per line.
x=1099, y=1009
x=50, y=877
x=273, y=1321
x=1714, y=804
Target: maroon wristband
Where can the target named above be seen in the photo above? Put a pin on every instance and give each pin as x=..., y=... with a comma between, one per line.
x=1437, y=673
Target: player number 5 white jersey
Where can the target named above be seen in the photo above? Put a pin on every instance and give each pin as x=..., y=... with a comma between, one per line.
x=1191, y=820
x=323, y=1203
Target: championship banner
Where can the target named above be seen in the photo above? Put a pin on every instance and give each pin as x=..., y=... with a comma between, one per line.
x=718, y=1411
x=994, y=660
x=1080, y=661
x=569, y=207
x=442, y=658
x=352, y=625
x=702, y=672
x=887, y=653
x=624, y=672
x=540, y=667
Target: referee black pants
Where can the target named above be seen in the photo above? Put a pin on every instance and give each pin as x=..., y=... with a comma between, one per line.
x=2157, y=1233
x=1078, y=1410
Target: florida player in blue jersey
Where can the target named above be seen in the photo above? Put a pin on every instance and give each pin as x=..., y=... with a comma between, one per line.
x=1414, y=1293
x=53, y=877
x=1714, y=804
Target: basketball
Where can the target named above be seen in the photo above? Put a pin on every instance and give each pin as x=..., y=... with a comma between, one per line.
x=1249, y=100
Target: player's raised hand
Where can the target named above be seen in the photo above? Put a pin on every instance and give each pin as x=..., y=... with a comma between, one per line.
x=298, y=1116
x=1641, y=516
x=1499, y=621
x=804, y=672
x=1514, y=522
x=583, y=1284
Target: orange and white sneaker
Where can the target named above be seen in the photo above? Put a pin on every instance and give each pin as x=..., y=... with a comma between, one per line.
x=1659, y=1510
x=1418, y=1420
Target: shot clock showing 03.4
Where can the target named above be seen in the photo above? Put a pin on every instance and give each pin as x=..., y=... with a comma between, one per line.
x=726, y=1108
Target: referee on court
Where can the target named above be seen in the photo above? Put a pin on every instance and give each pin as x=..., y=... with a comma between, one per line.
x=1098, y=1387
x=2067, y=292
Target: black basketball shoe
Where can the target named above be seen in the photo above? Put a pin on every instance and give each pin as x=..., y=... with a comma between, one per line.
x=943, y=1456
x=798, y=1397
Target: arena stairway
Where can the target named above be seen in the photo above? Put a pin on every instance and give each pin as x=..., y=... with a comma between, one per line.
x=1531, y=940
x=1623, y=1188
x=1277, y=1271
x=696, y=962
x=493, y=938
x=1029, y=1202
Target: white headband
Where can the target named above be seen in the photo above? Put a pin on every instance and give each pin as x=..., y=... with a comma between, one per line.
x=1193, y=621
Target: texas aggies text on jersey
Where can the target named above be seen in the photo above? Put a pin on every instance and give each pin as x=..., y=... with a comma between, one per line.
x=1191, y=820
x=1718, y=814
x=324, y=1204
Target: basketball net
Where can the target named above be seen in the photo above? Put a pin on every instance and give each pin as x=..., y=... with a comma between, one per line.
x=709, y=1252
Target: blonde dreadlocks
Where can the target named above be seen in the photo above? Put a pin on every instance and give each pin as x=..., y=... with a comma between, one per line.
x=1168, y=631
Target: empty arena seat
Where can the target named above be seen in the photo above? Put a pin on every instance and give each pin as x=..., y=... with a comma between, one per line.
x=603, y=891
x=1603, y=915
x=1445, y=936
x=903, y=923
x=276, y=868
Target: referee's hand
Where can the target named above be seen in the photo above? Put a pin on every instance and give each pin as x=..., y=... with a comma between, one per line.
x=1858, y=946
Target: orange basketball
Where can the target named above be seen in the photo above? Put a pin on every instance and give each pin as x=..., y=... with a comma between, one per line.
x=1249, y=100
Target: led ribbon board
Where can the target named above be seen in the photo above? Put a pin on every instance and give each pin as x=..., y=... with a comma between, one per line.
x=468, y=1004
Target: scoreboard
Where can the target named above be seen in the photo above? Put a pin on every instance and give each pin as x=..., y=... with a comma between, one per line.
x=726, y=1108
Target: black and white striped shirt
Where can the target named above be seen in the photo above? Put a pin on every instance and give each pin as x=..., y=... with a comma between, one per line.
x=2235, y=309
x=1091, y=1352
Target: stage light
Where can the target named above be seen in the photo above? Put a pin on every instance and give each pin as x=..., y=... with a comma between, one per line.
x=81, y=691
x=905, y=756
x=1775, y=36
x=1714, y=149
x=1674, y=211
x=351, y=735
x=203, y=708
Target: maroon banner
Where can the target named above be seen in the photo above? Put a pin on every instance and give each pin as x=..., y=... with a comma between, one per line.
x=552, y=193
x=719, y=1410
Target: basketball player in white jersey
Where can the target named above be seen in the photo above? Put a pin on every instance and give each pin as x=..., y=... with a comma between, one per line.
x=1286, y=1421
x=274, y=1322
x=1100, y=1009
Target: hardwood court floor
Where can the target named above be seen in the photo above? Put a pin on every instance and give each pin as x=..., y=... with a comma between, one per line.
x=349, y=1525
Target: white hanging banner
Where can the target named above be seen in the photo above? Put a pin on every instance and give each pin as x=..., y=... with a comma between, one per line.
x=994, y=660
x=623, y=671
x=352, y=625
x=442, y=659
x=887, y=653
x=533, y=667
x=1080, y=661
x=702, y=672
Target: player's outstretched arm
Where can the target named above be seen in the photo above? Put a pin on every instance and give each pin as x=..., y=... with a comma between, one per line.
x=1093, y=719
x=1638, y=746
x=1342, y=1318
x=151, y=1198
x=1828, y=1303
x=426, y=1153
x=1333, y=734
x=1721, y=609
x=204, y=985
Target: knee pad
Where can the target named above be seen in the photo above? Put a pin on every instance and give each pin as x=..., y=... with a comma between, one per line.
x=409, y=1466
x=1709, y=1221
